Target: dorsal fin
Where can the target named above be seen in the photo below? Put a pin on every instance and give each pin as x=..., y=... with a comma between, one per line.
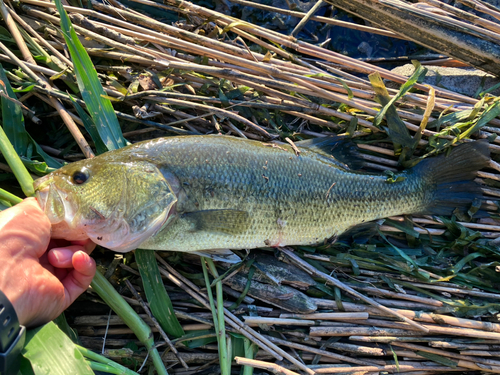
x=341, y=148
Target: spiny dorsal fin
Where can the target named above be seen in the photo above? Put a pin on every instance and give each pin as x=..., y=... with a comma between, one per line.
x=341, y=148
x=225, y=221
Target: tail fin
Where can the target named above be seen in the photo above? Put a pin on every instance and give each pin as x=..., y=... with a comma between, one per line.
x=453, y=175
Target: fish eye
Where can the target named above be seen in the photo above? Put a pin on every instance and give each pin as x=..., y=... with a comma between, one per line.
x=79, y=177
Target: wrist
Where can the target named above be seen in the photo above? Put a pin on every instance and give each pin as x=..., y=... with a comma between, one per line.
x=12, y=336
x=12, y=284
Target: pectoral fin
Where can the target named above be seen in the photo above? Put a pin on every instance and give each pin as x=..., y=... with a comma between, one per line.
x=225, y=221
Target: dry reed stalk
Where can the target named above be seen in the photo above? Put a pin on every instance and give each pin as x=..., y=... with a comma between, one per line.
x=486, y=227
x=231, y=319
x=424, y=317
x=482, y=7
x=432, y=330
x=155, y=323
x=405, y=304
x=357, y=349
x=466, y=345
x=459, y=291
x=72, y=127
x=386, y=368
x=316, y=273
x=221, y=112
x=273, y=367
x=483, y=353
x=323, y=353
x=471, y=362
x=89, y=34
x=389, y=339
x=35, y=68
x=253, y=320
x=378, y=323
x=470, y=17
x=325, y=20
x=196, y=327
x=309, y=49
x=417, y=119
x=326, y=316
x=479, y=46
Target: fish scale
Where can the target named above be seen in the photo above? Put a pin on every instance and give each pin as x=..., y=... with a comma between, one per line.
x=217, y=192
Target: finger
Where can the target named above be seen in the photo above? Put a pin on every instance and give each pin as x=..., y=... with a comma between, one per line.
x=79, y=279
x=62, y=257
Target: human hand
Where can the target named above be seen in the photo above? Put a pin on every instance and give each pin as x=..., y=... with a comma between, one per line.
x=41, y=277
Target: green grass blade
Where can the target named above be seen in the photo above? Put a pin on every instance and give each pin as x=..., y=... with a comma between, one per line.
x=17, y=166
x=143, y=332
x=90, y=127
x=419, y=71
x=250, y=351
x=13, y=124
x=110, y=366
x=489, y=114
x=50, y=351
x=12, y=118
x=224, y=353
x=397, y=130
x=9, y=197
x=159, y=301
x=99, y=107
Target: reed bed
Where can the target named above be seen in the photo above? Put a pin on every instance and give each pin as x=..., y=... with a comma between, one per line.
x=419, y=295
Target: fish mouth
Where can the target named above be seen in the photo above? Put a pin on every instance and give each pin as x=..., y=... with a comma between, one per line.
x=42, y=186
x=50, y=199
x=55, y=205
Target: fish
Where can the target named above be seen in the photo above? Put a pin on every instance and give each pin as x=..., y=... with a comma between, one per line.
x=215, y=192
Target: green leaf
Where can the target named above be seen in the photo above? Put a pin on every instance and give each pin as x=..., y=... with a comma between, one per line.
x=51, y=352
x=397, y=130
x=195, y=339
x=15, y=163
x=247, y=286
x=9, y=197
x=489, y=114
x=403, y=227
x=438, y=358
x=99, y=107
x=401, y=253
x=63, y=325
x=13, y=124
x=89, y=125
x=12, y=118
x=217, y=315
x=419, y=71
x=159, y=301
x=102, y=363
x=464, y=261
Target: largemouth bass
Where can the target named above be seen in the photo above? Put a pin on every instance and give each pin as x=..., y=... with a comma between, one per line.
x=216, y=192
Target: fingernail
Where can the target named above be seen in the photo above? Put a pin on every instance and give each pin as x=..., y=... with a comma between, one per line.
x=82, y=254
x=62, y=255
